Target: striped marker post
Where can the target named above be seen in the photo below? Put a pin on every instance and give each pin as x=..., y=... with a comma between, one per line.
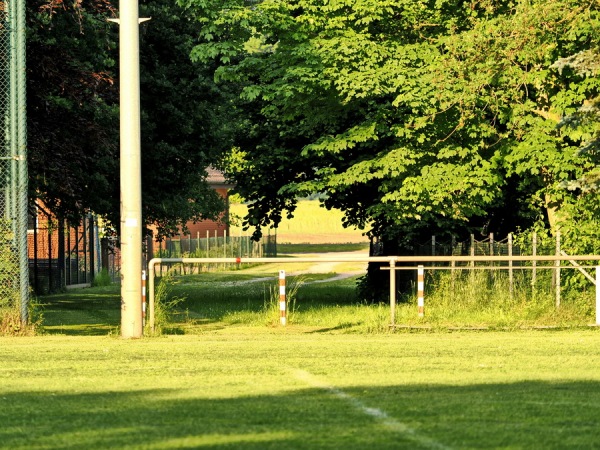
x=282, y=302
x=143, y=298
x=421, y=290
x=598, y=295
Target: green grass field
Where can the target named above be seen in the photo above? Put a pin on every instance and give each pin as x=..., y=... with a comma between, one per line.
x=224, y=374
x=275, y=389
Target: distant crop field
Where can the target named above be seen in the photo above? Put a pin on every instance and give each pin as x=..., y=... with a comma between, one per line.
x=311, y=224
x=248, y=388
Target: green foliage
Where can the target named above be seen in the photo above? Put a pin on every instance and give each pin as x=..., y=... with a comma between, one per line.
x=484, y=299
x=102, y=278
x=9, y=267
x=184, y=121
x=271, y=307
x=413, y=117
x=73, y=113
x=12, y=325
x=72, y=106
x=585, y=122
x=165, y=305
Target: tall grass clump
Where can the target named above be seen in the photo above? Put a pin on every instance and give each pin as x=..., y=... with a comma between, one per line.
x=102, y=278
x=485, y=299
x=9, y=267
x=10, y=302
x=271, y=307
x=165, y=305
x=12, y=325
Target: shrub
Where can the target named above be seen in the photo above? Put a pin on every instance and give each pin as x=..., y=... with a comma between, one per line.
x=102, y=279
x=165, y=305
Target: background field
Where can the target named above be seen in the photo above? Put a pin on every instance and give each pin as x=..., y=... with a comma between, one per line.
x=311, y=224
x=276, y=389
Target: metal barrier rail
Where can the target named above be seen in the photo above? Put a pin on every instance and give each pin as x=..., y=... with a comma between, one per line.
x=391, y=260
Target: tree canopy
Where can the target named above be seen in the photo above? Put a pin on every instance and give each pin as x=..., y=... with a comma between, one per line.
x=439, y=116
x=72, y=107
x=73, y=113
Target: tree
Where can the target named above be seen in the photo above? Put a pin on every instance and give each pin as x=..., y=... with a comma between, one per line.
x=73, y=114
x=72, y=107
x=413, y=117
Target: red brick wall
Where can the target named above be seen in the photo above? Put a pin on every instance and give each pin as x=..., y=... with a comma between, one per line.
x=210, y=226
x=45, y=245
x=200, y=229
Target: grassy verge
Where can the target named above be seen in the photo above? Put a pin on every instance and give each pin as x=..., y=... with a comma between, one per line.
x=253, y=389
x=244, y=297
x=90, y=311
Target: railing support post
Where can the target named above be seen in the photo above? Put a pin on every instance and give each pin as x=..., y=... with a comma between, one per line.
x=282, y=299
x=151, y=295
x=392, y=292
x=421, y=290
x=598, y=295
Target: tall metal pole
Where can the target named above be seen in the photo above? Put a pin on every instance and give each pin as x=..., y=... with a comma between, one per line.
x=20, y=196
x=130, y=173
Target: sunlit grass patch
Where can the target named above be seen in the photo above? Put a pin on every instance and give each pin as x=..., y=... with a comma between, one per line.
x=263, y=388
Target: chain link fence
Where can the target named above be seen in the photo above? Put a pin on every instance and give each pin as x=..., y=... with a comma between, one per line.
x=14, y=278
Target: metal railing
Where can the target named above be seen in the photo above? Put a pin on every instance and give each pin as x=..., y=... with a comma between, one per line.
x=394, y=263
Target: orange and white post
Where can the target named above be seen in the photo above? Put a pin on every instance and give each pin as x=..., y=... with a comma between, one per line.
x=282, y=301
x=421, y=290
x=143, y=298
x=598, y=295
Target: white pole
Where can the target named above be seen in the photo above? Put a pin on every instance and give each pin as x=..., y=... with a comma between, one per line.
x=534, y=263
x=130, y=171
x=510, y=264
x=282, y=300
x=143, y=298
x=421, y=291
x=557, y=276
x=392, y=293
x=598, y=295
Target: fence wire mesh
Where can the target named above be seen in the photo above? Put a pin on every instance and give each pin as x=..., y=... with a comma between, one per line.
x=14, y=278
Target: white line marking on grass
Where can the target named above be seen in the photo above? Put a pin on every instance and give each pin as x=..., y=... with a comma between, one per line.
x=389, y=422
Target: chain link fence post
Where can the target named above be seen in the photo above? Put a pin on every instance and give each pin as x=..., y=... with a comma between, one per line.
x=14, y=261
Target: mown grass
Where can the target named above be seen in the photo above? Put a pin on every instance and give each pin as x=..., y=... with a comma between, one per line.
x=262, y=388
x=336, y=377
x=90, y=311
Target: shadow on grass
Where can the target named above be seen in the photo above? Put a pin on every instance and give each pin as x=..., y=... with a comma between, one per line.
x=519, y=415
x=85, y=312
x=96, y=311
